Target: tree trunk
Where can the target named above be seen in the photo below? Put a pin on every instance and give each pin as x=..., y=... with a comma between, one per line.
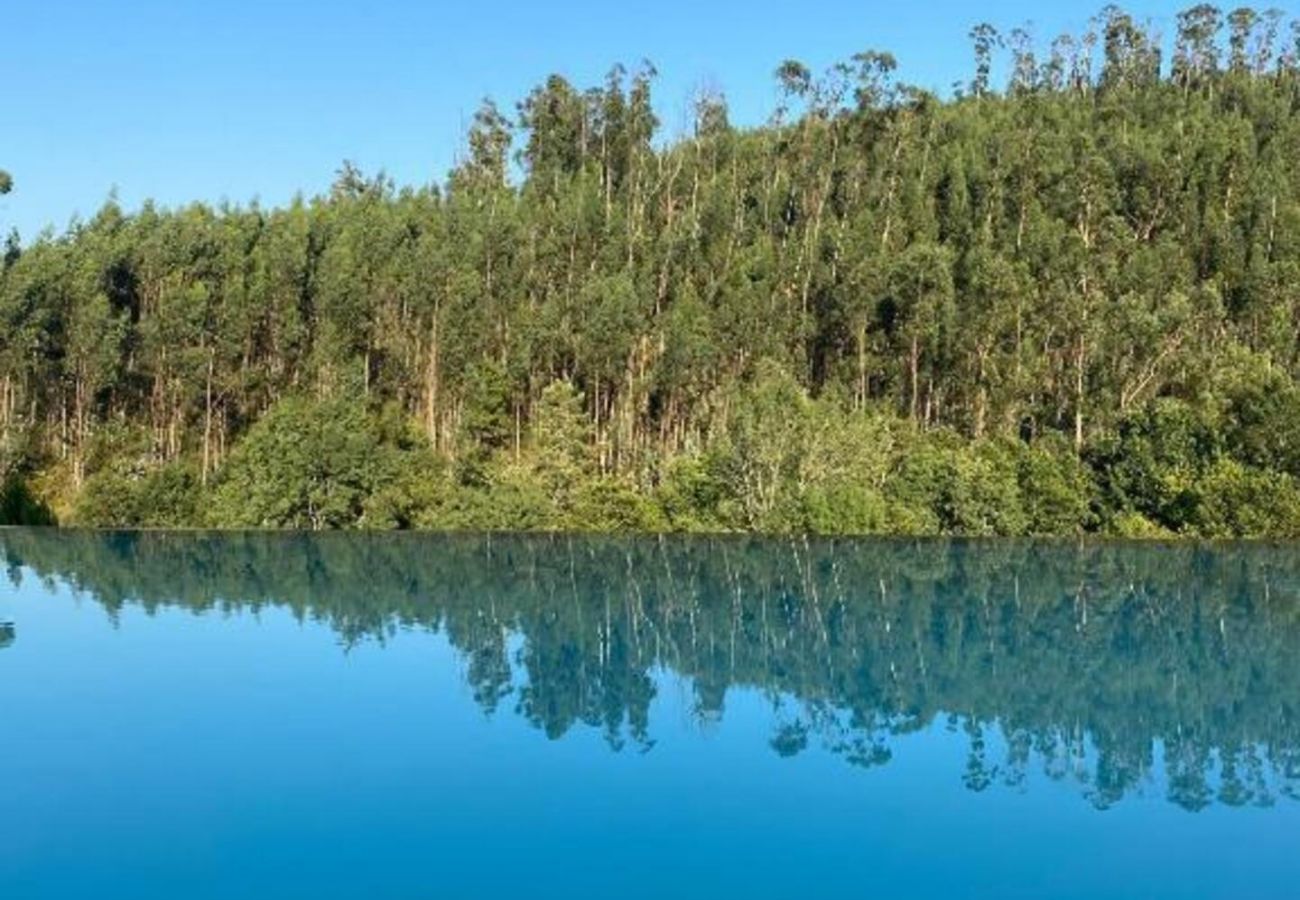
x=78, y=428
x=1078, y=394
x=207, y=420
x=915, y=366
x=431, y=385
x=862, y=367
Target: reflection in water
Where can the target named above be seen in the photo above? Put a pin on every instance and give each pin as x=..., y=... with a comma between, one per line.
x=1115, y=667
x=7, y=634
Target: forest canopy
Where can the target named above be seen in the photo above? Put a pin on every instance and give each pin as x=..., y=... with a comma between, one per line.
x=1063, y=302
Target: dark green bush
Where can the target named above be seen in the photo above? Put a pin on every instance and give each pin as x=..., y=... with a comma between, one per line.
x=19, y=506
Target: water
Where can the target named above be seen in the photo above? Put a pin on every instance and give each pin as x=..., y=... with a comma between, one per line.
x=262, y=716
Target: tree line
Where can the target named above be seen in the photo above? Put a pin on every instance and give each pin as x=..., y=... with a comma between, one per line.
x=1068, y=303
x=1113, y=667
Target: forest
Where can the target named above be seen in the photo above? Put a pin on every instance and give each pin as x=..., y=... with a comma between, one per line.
x=1117, y=669
x=1062, y=298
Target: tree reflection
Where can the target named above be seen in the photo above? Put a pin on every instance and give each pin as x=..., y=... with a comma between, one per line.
x=1114, y=667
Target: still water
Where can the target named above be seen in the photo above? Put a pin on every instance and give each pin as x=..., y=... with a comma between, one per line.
x=258, y=716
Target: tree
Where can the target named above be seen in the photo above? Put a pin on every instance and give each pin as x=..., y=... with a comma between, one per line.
x=986, y=40
x=971, y=277
x=1196, y=53
x=919, y=310
x=303, y=465
x=562, y=441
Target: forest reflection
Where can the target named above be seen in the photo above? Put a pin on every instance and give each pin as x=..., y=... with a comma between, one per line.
x=1115, y=667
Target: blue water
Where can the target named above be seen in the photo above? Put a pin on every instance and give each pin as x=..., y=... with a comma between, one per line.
x=418, y=716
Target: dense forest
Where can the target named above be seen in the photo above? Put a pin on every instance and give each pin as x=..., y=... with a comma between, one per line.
x=1116, y=668
x=1062, y=301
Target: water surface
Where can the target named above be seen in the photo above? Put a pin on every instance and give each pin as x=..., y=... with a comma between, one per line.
x=262, y=716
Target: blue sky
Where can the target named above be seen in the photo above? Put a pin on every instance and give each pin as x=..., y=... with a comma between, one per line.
x=236, y=99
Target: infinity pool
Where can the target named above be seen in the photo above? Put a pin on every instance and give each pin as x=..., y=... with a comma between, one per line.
x=285, y=716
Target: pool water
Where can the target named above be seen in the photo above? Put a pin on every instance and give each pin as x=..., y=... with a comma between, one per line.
x=257, y=715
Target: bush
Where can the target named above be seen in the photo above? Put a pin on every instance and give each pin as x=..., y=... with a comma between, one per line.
x=1135, y=526
x=1180, y=468
x=108, y=499
x=916, y=489
x=1055, y=489
x=165, y=497
x=983, y=492
x=1237, y=501
x=943, y=487
x=510, y=499
x=417, y=484
x=304, y=464
x=766, y=443
x=690, y=495
x=1148, y=465
x=19, y=506
x=1262, y=425
x=608, y=504
x=561, y=434
x=845, y=509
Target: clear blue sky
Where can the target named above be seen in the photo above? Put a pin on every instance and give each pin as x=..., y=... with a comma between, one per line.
x=239, y=99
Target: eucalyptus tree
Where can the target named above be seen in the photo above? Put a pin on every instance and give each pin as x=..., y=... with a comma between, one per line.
x=970, y=281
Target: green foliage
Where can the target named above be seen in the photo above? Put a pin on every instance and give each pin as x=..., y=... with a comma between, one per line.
x=1174, y=469
x=1263, y=421
x=416, y=485
x=845, y=509
x=690, y=495
x=944, y=486
x=983, y=496
x=485, y=422
x=1233, y=500
x=1135, y=526
x=767, y=440
x=305, y=464
x=609, y=505
x=1066, y=307
x=1148, y=467
x=561, y=443
x=513, y=501
x=486, y=418
x=1055, y=490
x=19, y=506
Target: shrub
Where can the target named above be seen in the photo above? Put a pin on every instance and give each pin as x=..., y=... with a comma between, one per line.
x=690, y=495
x=1055, y=490
x=303, y=465
x=983, y=492
x=116, y=497
x=1233, y=500
x=1136, y=526
x=941, y=486
x=608, y=504
x=845, y=509
x=19, y=506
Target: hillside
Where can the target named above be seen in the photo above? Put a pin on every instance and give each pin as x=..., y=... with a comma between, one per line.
x=1065, y=304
